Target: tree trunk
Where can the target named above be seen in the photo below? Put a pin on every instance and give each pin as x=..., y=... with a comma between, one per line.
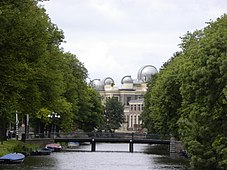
x=3, y=129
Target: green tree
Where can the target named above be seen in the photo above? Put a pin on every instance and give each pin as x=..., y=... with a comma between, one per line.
x=24, y=38
x=114, y=114
x=163, y=100
x=189, y=95
x=90, y=116
x=147, y=120
x=203, y=122
x=37, y=77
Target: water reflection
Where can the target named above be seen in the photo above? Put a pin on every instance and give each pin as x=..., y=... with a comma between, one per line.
x=107, y=157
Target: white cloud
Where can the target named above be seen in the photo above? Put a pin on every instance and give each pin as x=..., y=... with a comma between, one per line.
x=116, y=37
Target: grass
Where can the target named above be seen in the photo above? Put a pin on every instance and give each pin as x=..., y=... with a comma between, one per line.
x=16, y=146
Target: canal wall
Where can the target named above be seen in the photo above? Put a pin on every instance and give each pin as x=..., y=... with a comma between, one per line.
x=40, y=141
x=176, y=148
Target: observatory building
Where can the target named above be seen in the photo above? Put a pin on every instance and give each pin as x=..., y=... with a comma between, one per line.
x=130, y=94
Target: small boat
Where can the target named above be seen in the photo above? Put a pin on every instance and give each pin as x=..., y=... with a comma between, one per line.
x=85, y=143
x=12, y=158
x=55, y=147
x=73, y=145
x=44, y=151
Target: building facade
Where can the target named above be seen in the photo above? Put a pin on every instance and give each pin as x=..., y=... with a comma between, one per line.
x=133, y=116
x=130, y=94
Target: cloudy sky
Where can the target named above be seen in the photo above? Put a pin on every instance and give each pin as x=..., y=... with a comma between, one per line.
x=114, y=38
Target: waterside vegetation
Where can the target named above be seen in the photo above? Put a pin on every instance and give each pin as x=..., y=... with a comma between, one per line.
x=188, y=97
x=37, y=77
x=16, y=146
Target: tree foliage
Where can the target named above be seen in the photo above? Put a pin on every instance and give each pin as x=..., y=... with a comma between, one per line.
x=114, y=114
x=204, y=80
x=163, y=100
x=90, y=116
x=36, y=76
x=188, y=97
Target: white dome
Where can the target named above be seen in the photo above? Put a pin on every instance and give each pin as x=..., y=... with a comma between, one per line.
x=97, y=84
x=145, y=73
x=126, y=79
x=108, y=81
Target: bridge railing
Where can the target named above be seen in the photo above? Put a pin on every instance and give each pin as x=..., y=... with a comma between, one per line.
x=126, y=135
x=112, y=135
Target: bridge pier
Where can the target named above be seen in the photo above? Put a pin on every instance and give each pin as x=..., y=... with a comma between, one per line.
x=130, y=146
x=172, y=147
x=93, y=145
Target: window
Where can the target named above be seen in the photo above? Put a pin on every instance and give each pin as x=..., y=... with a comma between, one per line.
x=135, y=107
x=131, y=107
x=137, y=97
x=142, y=107
x=128, y=99
x=131, y=117
x=139, y=107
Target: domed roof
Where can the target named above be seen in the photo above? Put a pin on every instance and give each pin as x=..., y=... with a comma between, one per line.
x=126, y=79
x=97, y=84
x=108, y=81
x=146, y=72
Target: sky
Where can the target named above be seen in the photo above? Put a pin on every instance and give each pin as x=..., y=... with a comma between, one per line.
x=115, y=38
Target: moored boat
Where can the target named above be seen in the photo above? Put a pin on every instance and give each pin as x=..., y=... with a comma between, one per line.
x=12, y=158
x=44, y=151
x=85, y=143
x=55, y=147
x=73, y=145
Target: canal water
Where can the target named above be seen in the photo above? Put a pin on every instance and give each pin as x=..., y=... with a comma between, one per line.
x=106, y=157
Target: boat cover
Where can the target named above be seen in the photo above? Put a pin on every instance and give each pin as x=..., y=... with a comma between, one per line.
x=12, y=156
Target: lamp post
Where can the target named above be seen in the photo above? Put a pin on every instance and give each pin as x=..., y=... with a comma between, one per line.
x=107, y=125
x=53, y=116
x=17, y=122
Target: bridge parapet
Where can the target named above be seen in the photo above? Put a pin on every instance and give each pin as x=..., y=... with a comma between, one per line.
x=90, y=135
x=112, y=135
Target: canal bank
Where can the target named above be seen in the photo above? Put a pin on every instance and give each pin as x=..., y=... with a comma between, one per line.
x=10, y=146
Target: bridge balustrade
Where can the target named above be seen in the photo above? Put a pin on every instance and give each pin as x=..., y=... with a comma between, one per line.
x=111, y=135
x=99, y=135
x=95, y=137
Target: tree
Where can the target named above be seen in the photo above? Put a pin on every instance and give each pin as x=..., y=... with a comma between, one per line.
x=90, y=116
x=114, y=114
x=189, y=95
x=203, y=122
x=36, y=76
x=163, y=99
x=25, y=35
x=147, y=120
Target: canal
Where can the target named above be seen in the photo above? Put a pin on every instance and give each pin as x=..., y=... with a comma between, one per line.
x=107, y=157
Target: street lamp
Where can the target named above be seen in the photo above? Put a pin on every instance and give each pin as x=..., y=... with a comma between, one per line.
x=17, y=122
x=53, y=116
